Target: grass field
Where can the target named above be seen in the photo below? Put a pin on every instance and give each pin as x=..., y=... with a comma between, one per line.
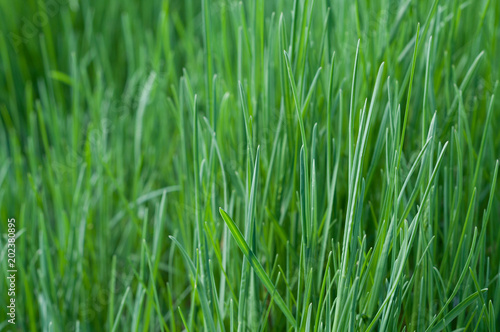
x=223, y=165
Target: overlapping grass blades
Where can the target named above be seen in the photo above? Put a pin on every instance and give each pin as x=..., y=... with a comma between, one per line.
x=225, y=165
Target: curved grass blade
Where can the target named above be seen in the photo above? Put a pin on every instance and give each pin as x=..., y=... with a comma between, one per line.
x=259, y=270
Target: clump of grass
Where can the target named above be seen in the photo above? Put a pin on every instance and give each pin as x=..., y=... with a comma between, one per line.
x=261, y=165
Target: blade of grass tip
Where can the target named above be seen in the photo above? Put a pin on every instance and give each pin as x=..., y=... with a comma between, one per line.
x=298, y=105
x=428, y=20
x=328, y=115
x=351, y=112
x=328, y=301
x=207, y=314
x=259, y=270
x=405, y=120
x=118, y=315
x=460, y=279
x=183, y=319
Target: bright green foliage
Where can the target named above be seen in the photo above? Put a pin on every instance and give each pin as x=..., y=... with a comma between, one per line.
x=225, y=165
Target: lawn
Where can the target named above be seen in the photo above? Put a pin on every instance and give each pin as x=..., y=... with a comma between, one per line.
x=224, y=165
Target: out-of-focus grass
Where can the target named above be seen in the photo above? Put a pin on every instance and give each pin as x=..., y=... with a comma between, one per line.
x=257, y=165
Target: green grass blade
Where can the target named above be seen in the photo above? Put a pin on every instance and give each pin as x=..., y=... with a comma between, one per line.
x=259, y=270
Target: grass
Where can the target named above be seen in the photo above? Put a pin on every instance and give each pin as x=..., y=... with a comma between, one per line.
x=218, y=165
